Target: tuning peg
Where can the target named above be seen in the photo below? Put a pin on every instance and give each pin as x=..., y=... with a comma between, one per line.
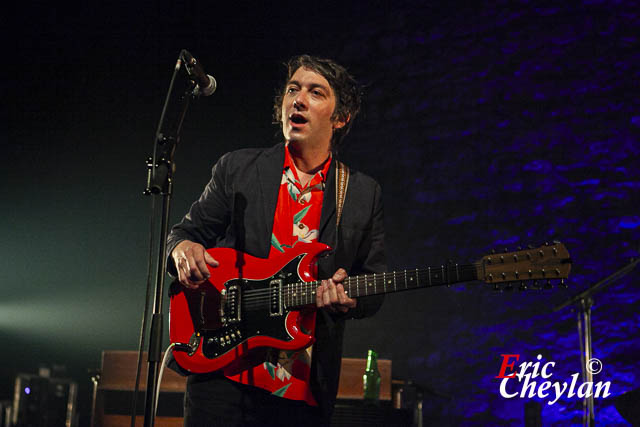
x=548, y=284
x=530, y=246
x=506, y=250
x=563, y=284
x=493, y=251
x=508, y=286
x=519, y=248
x=535, y=285
x=496, y=287
x=523, y=286
x=546, y=243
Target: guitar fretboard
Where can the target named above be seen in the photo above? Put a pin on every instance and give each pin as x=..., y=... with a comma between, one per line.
x=304, y=293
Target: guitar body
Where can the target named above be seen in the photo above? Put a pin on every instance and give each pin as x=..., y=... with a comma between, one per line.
x=243, y=308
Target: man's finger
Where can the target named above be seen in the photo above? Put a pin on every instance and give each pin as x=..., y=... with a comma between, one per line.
x=210, y=260
x=341, y=296
x=193, y=269
x=344, y=298
x=202, y=267
x=326, y=294
x=184, y=278
x=339, y=275
x=319, y=290
x=333, y=293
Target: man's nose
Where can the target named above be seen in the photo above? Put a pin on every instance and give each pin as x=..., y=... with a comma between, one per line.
x=300, y=101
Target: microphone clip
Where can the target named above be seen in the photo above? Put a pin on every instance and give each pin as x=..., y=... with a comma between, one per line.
x=205, y=84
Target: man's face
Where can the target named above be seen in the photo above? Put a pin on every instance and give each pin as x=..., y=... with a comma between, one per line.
x=307, y=107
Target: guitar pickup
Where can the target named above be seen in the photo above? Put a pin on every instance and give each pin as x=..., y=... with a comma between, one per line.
x=232, y=310
x=275, y=300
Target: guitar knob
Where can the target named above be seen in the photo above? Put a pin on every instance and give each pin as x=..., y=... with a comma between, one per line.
x=523, y=286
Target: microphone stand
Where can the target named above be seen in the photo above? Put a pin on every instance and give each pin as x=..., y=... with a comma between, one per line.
x=160, y=169
x=585, y=301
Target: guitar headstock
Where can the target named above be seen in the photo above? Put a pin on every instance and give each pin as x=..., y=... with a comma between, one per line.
x=545, y=262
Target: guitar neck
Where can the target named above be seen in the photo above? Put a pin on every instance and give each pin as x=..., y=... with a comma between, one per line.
x=404, y=280
x=304, y=293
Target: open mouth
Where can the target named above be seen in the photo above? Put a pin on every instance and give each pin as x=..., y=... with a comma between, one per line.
x=297, y=119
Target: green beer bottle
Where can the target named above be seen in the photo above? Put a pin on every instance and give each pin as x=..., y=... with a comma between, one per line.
x=371, y=379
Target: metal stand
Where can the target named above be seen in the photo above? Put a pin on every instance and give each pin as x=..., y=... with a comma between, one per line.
x=160, y=170
x=584, y=301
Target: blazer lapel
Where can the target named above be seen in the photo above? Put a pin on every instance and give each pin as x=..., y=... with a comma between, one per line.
x=269, y=176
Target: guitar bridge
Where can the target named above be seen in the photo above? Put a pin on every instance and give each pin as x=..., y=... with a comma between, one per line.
x=275, y=301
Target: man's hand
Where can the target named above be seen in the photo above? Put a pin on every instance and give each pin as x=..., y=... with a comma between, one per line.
x=330, y=294
x=191, y=261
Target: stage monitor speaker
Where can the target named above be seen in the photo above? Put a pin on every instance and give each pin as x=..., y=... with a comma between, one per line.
x=44, y=402
x=6, y=406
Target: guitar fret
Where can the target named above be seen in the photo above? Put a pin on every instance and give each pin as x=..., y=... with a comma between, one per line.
x=395, y=284
x=429, y=273
x=417, y=278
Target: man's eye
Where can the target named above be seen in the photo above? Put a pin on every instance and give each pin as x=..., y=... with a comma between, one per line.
x=291, y=90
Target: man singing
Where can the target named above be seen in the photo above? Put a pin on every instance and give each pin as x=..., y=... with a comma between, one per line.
x=266, y=201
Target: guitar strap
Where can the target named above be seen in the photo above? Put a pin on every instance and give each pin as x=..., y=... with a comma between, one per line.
x=342, y=182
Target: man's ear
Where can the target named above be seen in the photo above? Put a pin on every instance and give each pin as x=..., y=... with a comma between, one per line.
x=341, y=122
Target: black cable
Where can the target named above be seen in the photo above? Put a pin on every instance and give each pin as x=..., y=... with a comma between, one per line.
x=143, y=326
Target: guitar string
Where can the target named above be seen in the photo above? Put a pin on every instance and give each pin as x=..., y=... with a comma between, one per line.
x=300, y=290
x=294, y=293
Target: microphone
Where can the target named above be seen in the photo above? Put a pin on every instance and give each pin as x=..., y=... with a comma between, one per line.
x=206, y=83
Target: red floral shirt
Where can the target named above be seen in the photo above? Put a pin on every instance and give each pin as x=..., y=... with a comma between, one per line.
x=297, y=219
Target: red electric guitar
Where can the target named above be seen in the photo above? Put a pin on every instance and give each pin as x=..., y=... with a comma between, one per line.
x=250, y=303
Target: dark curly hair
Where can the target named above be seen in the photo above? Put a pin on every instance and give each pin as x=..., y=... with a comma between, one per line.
x=347, y=92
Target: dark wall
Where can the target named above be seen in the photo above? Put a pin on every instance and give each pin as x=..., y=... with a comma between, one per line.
x=490, y=125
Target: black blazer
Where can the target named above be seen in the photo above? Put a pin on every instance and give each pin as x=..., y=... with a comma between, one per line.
x=237, y=210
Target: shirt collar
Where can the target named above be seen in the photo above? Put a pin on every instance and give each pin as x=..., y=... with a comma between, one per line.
x=319, y=177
